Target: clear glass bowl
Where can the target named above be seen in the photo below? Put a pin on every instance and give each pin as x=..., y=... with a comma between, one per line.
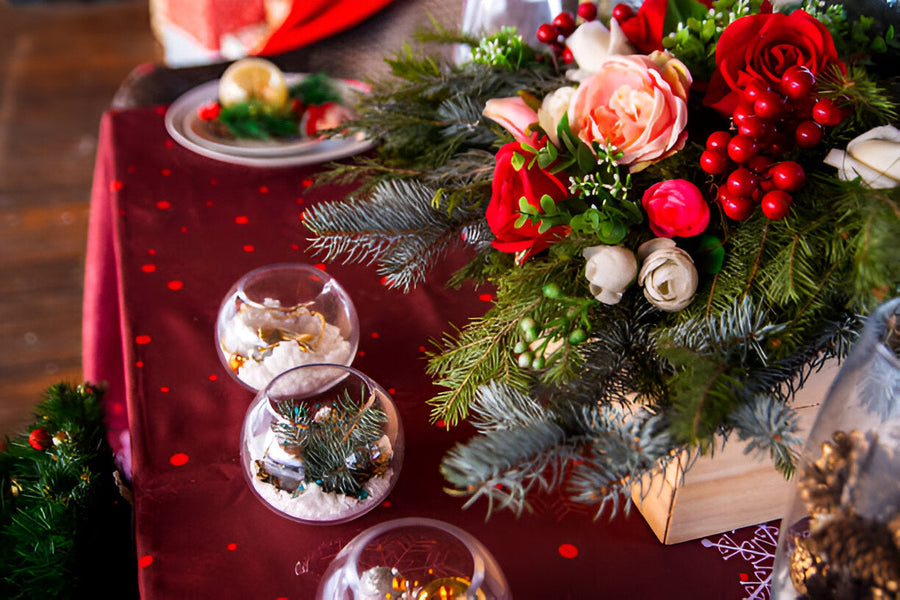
x=281, y=316
x=414, y=559
x=840, y=537
x=322, y=444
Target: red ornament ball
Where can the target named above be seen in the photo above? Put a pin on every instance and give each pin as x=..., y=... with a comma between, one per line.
x=776, y=204
x=742, y=148
x=742, y=182
x=827, y=113
x=714, y=163
x=587, y=11
x=788, y=176
x=808, y=134
x=718, y=140
x=40, y=439
x=547, y=33
x=737, y=208
x=797, y=82
x=565, y=23
x=622, y=12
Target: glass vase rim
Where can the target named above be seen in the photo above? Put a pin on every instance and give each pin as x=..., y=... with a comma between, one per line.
x=240, y=288
x=470, y=542
x=371, y=383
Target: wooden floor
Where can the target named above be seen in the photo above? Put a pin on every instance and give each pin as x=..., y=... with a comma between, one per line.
x=60, y=64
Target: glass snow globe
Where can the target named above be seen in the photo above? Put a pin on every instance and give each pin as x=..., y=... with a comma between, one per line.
x=841, y=535
x=414, y=559
x=281, y=316
x=322, y=444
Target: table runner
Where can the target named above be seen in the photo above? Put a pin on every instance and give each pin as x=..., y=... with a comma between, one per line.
x=170, y=232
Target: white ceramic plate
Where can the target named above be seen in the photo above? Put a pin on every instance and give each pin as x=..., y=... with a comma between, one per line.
x=190, y=131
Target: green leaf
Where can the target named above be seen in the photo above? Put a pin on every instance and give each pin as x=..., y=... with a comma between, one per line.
x=548, y=205
x=517, y=161
x=680, y=11
x=521, y=221
x=526, y=208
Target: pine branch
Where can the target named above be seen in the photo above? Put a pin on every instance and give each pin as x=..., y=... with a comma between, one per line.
x=517, y=452
x=398, y=227
x=621, y=448
x=769, y=426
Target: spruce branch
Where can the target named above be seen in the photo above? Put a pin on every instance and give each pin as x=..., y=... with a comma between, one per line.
x=769, y=426
x=398, y=227
x=515, y=454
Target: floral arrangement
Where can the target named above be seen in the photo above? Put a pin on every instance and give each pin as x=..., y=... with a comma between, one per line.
x=684, y=210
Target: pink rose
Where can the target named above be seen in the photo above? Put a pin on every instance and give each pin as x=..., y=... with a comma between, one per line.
x=676, y=208
x=513, y=181
x=514, y=115
x=636, y=103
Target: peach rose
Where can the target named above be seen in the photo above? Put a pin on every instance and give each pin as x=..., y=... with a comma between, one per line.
x=637, y=104
x=514, y=115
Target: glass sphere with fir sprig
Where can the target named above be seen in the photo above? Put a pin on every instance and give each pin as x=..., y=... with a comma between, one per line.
x=322, y=444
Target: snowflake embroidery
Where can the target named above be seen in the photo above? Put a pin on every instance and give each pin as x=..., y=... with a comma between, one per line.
x=759, y=554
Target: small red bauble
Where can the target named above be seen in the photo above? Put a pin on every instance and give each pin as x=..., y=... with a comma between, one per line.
x=797, y=82
x=826, y=112
x=622, y=12
x=808, y=134
x=742, y=182
x=737, y=208
x=742, y=148
x=788, y=176
x=768, y=105
x=567, y=56
x=754, y=89
x=776, y=204
x=759, y=163
x=718, y=140
x=742, y=111
x=587, y=11
x=713, y=162
x=547, y=33
x=755, y=126
x=565, y=23
x=40, y=439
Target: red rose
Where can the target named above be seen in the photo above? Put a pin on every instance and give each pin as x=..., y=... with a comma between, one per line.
x=762, y=47
x=644, y=29
x=676, y=207
x=509, y=185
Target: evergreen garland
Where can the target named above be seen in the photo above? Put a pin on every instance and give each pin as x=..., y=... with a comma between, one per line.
x=605, y=394
x=64, y=527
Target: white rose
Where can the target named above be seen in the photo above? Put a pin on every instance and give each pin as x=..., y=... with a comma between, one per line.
x=592, y=42
x=668, y=274
x=873, y=156
x=552, y=109
x=609, y=270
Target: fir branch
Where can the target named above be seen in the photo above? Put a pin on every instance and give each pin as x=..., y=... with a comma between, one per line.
x=769, y=426
x=515, y=455
x=398, y=228
x=621, y=448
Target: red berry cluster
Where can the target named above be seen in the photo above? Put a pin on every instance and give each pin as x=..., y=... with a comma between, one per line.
x=554, y=34
x=751, y=154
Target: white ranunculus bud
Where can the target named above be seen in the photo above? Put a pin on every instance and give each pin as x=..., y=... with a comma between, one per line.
x=667, y=274
x=609, y=271
x=873, y=156
x=592, y=42
x=554, y=106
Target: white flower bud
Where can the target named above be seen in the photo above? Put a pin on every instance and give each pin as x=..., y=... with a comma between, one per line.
x=667, y=274
x=873, y=156
x=609, y=270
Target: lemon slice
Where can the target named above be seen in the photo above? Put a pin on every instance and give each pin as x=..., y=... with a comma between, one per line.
x=253, y=79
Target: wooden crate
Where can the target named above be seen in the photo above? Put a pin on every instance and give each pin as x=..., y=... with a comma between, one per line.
x=728, y=490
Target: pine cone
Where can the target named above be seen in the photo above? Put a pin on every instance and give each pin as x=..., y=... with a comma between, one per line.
x=857, y=554
x=822, y=482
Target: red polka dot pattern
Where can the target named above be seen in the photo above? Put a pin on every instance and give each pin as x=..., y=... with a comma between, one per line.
x=142, y=340
x=232, y=546
x=148, y=268
x=145, y=561
x=179, y=459
x=567, y=551
x=486, y=297
x=175, y=285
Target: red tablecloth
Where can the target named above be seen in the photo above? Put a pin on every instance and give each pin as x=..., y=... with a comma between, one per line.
x=170, y=232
